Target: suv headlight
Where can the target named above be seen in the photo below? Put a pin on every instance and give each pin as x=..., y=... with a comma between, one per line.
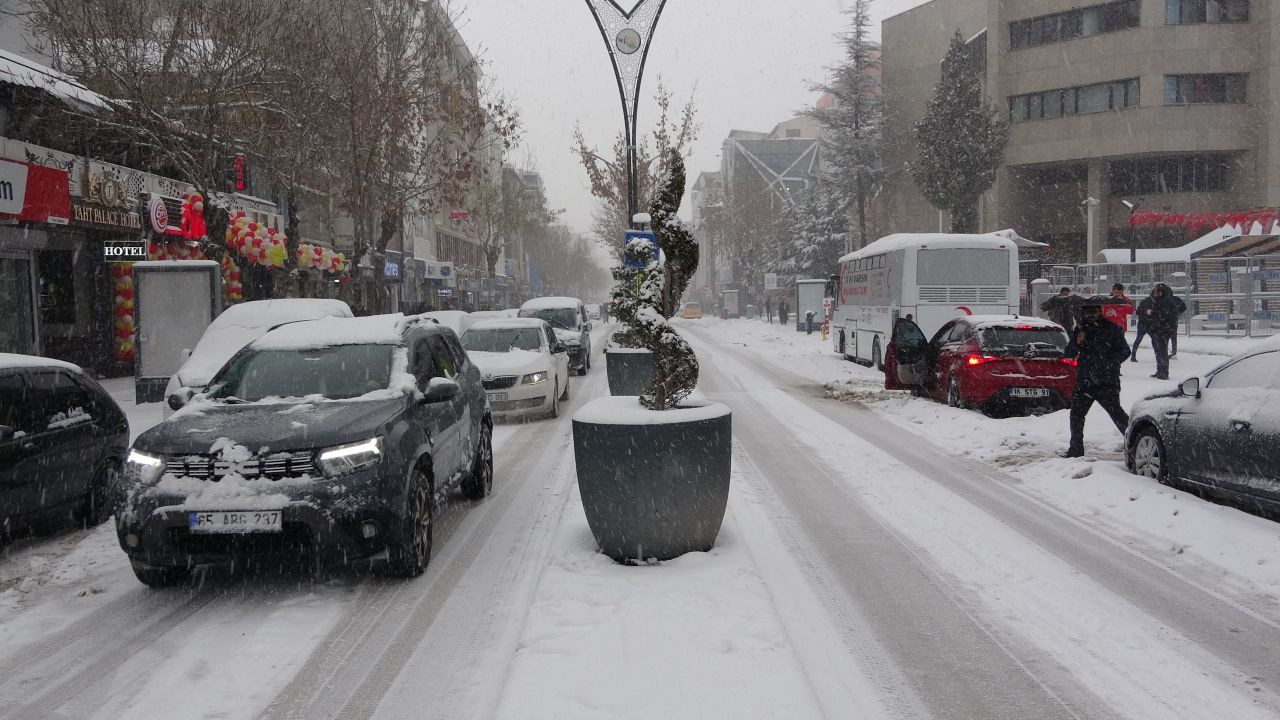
x=143, y=467
x=344, y=459
x=534, y=378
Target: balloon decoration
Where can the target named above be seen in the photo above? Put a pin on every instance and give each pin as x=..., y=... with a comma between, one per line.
x=193, y=227
x=1193, y=223
x=122, y=302
x=231, y=286
x=181, y=250
x=266, y=246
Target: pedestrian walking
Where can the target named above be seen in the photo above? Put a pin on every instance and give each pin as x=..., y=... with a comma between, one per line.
x=808, y=322
x=1061, y=309
x=782, y=312
x=1161, y=311
x=768, y=309
x=1100, y=348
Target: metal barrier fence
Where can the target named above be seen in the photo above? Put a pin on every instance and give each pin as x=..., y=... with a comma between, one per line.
x=1225, y=296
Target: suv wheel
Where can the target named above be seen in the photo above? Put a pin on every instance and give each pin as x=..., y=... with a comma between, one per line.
x=410, y=552
x=877, y=360
x=480, y=482
x=159, y=577
x=96, y=507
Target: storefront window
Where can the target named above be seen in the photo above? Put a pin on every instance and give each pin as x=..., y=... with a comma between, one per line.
x=56, y=283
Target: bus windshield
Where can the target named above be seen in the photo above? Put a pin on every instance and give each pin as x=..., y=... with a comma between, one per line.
x=963, y=266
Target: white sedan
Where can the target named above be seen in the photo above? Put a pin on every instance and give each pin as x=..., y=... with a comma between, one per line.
x=524, y=367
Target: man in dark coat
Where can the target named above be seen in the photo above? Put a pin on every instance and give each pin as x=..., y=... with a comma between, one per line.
x=768, y=309
x=1061, y=309
x=1100, y=349
x=1161, y=311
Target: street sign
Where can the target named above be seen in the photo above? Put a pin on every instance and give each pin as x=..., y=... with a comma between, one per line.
x=640, y=235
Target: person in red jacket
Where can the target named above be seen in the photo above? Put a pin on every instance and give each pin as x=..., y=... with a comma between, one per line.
x=1118, y=307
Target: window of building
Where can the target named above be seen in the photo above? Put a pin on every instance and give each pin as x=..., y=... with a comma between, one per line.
x=1192, y=12
x=1062, y=175
x=1169, y=174
x=1081, y=22
x=1197, y=89
x=1046, y=104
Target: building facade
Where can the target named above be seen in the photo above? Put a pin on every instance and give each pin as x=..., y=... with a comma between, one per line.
x=1168, y=103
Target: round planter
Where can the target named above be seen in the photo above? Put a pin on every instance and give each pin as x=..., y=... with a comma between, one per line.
x=630, y=371
x=654, y=485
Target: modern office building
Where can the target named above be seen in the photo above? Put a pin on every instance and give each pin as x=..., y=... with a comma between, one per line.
x=1173, y=102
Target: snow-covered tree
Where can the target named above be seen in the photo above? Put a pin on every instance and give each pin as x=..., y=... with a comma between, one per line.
x=816, y=234
x=853, y=142
x=960, y=141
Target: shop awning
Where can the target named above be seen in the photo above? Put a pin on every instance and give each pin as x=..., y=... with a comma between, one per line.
x=19, y=70
x=34, y=192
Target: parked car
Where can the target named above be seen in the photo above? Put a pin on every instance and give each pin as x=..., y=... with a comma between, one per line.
x=992, y=362
x=593, y=312
x=456, y=320
x=568, y=318
x=333, y=436
x=524, y=366
x=236, y=327
x=62, y=442
x=691, y=311
x=493, y=315
x=1219, y=434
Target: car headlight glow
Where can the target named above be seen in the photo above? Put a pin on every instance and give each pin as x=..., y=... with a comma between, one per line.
x=534, y=378
x=344, y=459
x=146, y=468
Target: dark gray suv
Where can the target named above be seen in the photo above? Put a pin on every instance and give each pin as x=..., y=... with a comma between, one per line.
x=332, y=438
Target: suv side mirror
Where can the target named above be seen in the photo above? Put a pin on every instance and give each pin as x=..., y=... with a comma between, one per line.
x=1190, y=387
x=180, y=397
x=559, y=348
x=440, y=389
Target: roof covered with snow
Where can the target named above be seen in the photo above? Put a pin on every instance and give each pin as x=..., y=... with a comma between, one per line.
x=550, y=303
x=900, y=241
x=1182, y=253
x=327, y=332
x=508, y=323
x=14, y=360
x=28, y=73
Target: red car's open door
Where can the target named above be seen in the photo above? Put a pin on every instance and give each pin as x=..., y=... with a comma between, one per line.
x=906, y=361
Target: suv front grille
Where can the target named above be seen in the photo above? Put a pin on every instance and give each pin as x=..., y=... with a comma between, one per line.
x=500, y=383
x=273, y=466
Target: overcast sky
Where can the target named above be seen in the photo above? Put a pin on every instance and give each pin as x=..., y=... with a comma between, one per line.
x=749, y=63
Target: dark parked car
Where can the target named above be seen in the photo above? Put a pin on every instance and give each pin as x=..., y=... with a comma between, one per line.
x=568, y=318
x=992, y=362
x=62, y=440
x=1219, y=435
x=332, y=438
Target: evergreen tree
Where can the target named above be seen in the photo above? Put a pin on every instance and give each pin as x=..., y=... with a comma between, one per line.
x=816, y=234
x=853, y=142
x=960, y=141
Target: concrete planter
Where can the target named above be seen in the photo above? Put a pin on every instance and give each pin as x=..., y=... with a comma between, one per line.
x=654, y=485
x=630, y=371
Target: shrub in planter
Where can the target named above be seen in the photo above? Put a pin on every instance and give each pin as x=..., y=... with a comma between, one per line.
x=653, y=470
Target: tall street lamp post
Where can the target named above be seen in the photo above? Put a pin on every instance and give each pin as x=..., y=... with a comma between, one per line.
x=1133, y=206
x=627, y=35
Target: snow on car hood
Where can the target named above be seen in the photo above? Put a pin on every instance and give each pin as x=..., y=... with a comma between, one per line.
x=567, y=335
x=513, y=362
x=270, y=426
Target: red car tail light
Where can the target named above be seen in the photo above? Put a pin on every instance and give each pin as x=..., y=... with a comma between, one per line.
x=1068, y=361
x=979, y=359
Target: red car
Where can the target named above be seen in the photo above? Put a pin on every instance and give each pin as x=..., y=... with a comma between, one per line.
x=992, y=362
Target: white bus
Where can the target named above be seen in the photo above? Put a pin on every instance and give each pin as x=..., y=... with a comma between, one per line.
x=931, y=277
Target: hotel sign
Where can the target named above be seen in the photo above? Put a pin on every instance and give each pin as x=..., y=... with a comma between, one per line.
x=102, y=216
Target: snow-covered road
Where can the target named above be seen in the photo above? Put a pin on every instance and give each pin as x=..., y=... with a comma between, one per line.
x=867, y=568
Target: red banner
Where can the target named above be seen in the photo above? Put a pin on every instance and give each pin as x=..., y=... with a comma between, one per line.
x=1200, y=222
x=34, y=192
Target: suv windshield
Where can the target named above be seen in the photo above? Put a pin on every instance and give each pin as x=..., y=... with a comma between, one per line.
x=501, y=340
x=563, y=318
x=338, y=372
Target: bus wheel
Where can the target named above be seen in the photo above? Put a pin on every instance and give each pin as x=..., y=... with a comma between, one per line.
x=876, y=360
